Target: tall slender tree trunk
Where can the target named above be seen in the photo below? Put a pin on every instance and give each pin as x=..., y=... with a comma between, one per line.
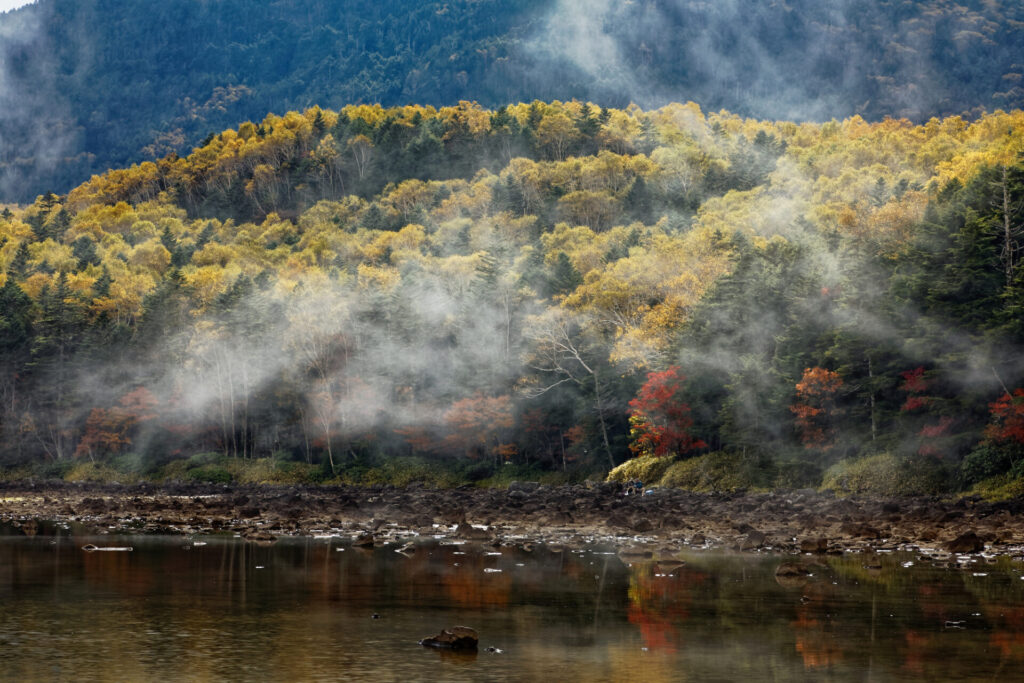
x=600, y=419
x=871, y=378
x=1008, y=245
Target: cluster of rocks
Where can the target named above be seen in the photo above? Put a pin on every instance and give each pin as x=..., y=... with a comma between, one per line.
x=806, y=521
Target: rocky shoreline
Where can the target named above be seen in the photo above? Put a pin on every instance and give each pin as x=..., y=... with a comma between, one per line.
x=791, y=521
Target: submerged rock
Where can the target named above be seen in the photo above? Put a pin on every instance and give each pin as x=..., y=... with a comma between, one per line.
x=814, y=545
x=753, y=540
x=471, y=533
x=364, y=540
x=458, y=638
x=259, y=536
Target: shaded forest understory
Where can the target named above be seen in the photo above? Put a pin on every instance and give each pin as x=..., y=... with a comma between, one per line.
x=547, y=289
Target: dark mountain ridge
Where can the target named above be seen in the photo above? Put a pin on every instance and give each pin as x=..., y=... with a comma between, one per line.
x=88, y=85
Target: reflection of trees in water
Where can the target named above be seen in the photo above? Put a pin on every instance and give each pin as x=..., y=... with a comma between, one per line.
x=815, y=639
x=659, y=600
x=173, y=604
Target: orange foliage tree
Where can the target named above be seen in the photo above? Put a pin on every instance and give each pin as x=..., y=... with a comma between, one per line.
x=477, y=425
x=815, y=407
x=107, y=430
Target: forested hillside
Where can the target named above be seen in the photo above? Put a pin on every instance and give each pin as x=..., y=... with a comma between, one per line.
x=88, y=85
x=557, y=285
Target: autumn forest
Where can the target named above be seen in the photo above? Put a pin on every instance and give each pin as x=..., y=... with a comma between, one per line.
x=452, y=294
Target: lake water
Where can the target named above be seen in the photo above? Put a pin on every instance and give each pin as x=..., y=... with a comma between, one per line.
x=213, y=608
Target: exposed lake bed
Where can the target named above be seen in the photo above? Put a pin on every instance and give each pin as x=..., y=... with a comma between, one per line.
x=659, y=522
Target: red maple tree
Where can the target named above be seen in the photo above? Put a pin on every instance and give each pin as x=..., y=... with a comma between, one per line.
x=933, y=435
x=659, y=419
x=914, y=385
x=1007, y=425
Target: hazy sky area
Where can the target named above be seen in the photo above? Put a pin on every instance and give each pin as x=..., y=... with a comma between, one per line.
x=6, y=5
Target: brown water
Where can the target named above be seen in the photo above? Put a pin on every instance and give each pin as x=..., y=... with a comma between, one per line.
x=302, y=610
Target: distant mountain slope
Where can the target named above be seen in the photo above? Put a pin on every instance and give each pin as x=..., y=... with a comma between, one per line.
x=86, y=85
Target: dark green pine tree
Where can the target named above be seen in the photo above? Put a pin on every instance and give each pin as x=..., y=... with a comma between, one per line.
x=965, y=283
x=84, y=249
x=101, y=288
x=158, y=342
x=15, y=337
x=105, y=339
x=168, y=239
x=58, y=332
x=319, y=124
x=588, y=127
x=746, y=345
x=58, y=224
x=15, y=318
x=639, y=203
x=19, y=269
x=564, y=277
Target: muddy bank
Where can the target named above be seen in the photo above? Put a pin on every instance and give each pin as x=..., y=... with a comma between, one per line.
x=786, y=521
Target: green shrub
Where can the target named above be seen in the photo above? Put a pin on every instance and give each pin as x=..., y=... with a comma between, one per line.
x=887, y=475
x=984, y=462
x=57, y=469
x=796, y=475
x=211, y=474
x=400, y=472
x=300, y=472
x=133, y=464
x=174, y=470
x=258, y=471
x=646, y=468
x=208, y=458
x=507, y=474
x=714, y=472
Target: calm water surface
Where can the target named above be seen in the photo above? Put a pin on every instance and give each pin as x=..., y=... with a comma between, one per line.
x=301, y=610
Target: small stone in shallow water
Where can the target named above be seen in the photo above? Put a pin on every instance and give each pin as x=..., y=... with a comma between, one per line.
x=968, y=542
x=364, y=540
x=456, y=638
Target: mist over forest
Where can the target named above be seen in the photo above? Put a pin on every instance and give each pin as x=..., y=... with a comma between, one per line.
x=553, y=285
x=822, y=289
